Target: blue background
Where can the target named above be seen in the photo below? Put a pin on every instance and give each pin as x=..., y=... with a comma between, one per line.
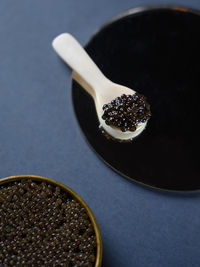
x=39, y=135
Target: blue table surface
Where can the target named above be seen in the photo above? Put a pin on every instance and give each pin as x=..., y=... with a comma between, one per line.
x=39, y=135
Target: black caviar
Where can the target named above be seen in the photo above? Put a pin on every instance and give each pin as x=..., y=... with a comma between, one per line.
x=42, y=225
x=126, y=112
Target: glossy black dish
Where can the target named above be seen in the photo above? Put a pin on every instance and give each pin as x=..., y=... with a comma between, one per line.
x=155, y=51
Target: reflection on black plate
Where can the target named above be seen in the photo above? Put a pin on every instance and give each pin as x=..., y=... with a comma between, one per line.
x=155, y=51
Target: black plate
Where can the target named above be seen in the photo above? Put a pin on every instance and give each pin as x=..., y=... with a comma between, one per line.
x=155, y=51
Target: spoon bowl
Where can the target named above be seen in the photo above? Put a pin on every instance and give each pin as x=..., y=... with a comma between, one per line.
x=94, y=82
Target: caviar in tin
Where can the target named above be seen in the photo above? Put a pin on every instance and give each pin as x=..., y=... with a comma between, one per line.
x=42, y=225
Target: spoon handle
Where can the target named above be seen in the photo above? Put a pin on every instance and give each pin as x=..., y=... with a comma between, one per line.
x=77, y=58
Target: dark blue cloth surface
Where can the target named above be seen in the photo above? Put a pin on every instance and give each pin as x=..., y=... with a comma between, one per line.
x=39, y=135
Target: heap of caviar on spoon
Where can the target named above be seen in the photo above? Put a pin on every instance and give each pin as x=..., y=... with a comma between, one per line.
x=122, y=112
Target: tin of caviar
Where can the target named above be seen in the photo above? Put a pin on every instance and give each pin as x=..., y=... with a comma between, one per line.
x=43, y=223
x=158, y=56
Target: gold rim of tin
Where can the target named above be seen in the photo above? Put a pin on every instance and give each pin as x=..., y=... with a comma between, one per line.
x=76, y=196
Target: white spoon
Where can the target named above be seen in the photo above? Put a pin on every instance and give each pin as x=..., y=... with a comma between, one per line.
x=92, y=79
